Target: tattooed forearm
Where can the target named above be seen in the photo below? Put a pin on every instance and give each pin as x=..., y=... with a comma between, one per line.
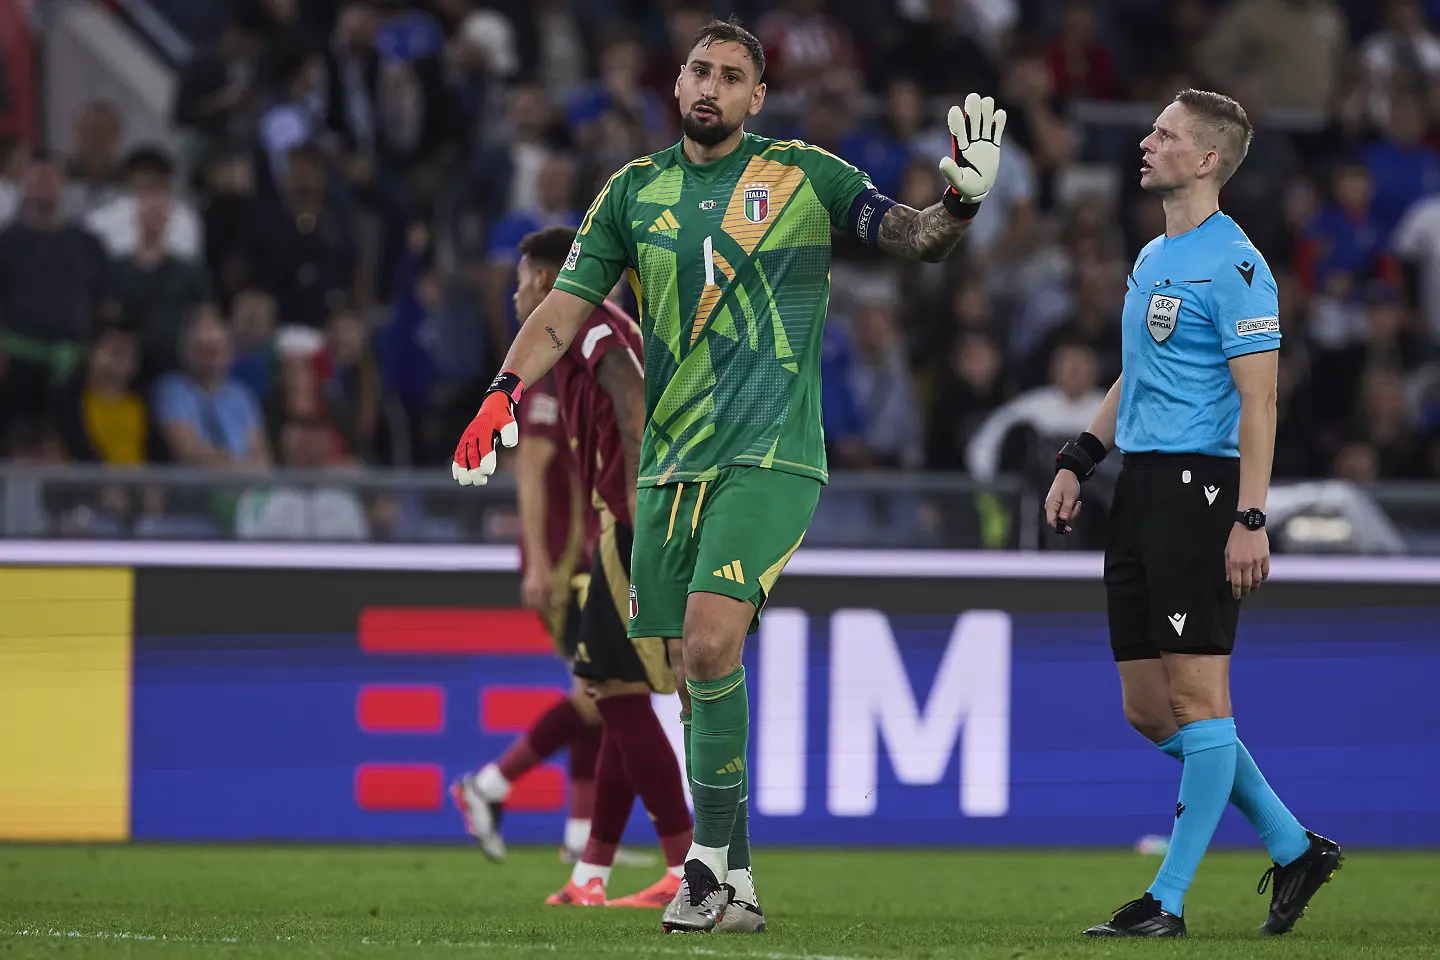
x=928, y=234
x=620, y=376
x=555, y=338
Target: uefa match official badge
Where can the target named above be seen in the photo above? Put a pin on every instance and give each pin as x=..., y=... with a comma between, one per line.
x=1161, y=315
x=757, y=202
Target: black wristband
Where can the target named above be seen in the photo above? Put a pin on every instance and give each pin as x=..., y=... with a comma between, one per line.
x=1081, y=456
x=957, y=207
x=509, y=383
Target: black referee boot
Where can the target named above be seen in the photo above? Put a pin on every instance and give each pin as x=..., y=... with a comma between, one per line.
x=1297, y=882
x=1140, y=918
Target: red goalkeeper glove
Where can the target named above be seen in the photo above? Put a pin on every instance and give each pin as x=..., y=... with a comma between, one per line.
x=475, y=456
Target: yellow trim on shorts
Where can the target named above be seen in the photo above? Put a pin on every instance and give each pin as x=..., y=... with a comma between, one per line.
x=699, y=499
x=768, y=578
x=674, y=509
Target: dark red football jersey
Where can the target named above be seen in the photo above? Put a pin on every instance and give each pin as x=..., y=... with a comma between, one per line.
x=571, y=526
x=587, y=410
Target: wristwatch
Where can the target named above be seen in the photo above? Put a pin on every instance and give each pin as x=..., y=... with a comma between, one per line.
x=1253, y=519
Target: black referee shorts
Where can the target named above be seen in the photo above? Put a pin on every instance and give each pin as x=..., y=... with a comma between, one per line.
x=1165, y=581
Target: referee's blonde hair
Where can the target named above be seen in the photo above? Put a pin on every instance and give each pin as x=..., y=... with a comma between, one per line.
x=1221, y=125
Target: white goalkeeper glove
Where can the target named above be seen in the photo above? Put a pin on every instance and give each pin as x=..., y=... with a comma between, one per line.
x=974, y=159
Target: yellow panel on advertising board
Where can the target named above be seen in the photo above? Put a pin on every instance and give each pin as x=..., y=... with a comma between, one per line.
x=65, y=638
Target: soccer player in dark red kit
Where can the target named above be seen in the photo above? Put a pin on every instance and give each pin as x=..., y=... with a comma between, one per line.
x=558, y=530
x=601, y=388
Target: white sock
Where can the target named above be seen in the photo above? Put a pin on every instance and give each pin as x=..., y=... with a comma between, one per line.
x=676, y=871
x=577, y=833
x=744, y=883
x=585, y=872
x=492, y=784
x=716, y=858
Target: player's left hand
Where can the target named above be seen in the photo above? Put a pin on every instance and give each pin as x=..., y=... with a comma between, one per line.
x=1247, y=559
x=974, y=159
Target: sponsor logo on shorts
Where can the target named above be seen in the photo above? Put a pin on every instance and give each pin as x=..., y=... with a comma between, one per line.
x=1254, y=325
x=1210, y=494
x=1177, y=620
x=634, y=603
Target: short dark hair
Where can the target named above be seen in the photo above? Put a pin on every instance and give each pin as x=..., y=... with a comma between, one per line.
x=1223, y=127
x=730, y=31
x=149, y=159
x=548, y=247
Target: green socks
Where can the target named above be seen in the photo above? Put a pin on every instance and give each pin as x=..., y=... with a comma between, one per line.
x=718, y=738
x=739, y=853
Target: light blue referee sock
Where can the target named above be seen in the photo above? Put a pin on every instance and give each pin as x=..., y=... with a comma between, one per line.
x=1205, y=785
x=1276, y=826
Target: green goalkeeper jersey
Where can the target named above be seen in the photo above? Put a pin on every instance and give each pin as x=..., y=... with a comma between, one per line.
x=730, y=262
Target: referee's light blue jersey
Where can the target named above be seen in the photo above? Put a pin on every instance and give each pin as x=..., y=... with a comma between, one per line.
x=1192, y=303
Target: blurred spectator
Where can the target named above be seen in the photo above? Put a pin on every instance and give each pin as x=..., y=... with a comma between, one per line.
x=156, y=291
x=927, y=42
x=1270, y=164
x=206, y=417
x=408, y=342
x=294, y=119
x=229, y=217
x=1034, y=122
x=1340, y=254
x=562, y=57
x=1097, y=293
x=1385, y=343
x=1063, y=408
x=295, y=512
x=618, y=91
x=683, y=21
x=350, y=385
x=215, y=87
x=841, y=414
x=1403, y=55
x=14, y=160
x=503, y=172
x=1402, y=167
x=52, y=288
x=1080, y=65
x=149, y=179
x=1296, y=45
x=253, y=324
x=972, y=387
x=302, y=251
x=1382, y=442
x=1297, y=434
x=94, y=176
x=1416, y=243
x=882, y=385
x=885, y=148
x=555, y=206
x=801, y=43
x=99, y=416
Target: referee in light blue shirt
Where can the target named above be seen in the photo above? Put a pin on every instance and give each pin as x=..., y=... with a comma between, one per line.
x=1194, y=414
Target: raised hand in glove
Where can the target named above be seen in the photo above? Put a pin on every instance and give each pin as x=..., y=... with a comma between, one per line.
x=974, y=159
x=475, y=456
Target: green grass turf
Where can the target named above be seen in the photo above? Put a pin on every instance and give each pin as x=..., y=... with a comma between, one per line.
x=381, y=902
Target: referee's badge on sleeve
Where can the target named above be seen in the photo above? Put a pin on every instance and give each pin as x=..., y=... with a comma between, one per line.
x=1162, y=315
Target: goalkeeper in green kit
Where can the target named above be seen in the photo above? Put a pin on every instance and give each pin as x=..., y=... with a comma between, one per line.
x=726, y=240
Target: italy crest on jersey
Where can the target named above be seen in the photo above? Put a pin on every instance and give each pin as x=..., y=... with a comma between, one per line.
x=757, y=203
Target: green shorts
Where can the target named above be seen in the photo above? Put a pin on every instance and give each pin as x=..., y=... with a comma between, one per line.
x=731, y=535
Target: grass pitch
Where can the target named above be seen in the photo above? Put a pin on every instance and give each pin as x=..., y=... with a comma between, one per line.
x=447, y=902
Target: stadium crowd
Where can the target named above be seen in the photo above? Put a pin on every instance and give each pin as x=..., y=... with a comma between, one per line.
x=321, y=276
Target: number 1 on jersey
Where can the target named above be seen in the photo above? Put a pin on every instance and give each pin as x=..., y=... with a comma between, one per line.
x=709, y=263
